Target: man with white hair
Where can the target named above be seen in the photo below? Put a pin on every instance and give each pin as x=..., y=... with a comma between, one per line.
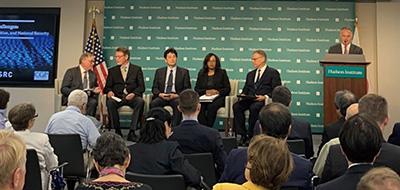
x=12, y=161
x=72, y=121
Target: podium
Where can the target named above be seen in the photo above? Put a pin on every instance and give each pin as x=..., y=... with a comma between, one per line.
x=342, y=72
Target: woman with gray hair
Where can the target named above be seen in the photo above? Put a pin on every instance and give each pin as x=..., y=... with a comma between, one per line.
x=111, y=158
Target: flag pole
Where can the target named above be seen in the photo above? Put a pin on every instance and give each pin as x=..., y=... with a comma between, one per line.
x=94, y=10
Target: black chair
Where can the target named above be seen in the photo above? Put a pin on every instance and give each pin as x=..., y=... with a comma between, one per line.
x=289, y=188
x=297, y=146
x=229, y=144
x=159, y=182
x=33, y=179
x=204, y=162
x=68, y=148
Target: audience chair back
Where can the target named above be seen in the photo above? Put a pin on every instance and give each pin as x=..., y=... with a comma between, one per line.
x=204, y=162
x=159, y=182
x=68, y=148
x=290, y=188
x=33, y=180
x=229, y=144
x=297, y=146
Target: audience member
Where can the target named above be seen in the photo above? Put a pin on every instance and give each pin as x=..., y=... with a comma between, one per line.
x=381, y=178
x=320, y=162
x=345, y=47
x=111, y=158
x=124, y=86
x=153, y=154
x=360, y=141
x=84, y=78
x=264, y=172
x=394, y=138
x=22, y=118
x=259, y=83
x=194, y=137
x=377, y=108
x=212, y=80
x=301, y=129
x=12, y=161
x=4, y=99
x=275, y=121
x=343, y=99
x=168, y=83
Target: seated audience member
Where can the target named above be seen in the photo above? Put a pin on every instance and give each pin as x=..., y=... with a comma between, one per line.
x=12, y=161
x=22, y=118
x=343, y=99
x=194, y=137
x=111, y=158
x=153, y=154
x=275, y=120
x=301, y=129
x=377, y=108
x=212, y=80
x=168, y=83
x=381, y=178
x=264, y=172
x=394, y=138
x=72, y=121
x=361, y=141
x=320, y=162
x=4, y=99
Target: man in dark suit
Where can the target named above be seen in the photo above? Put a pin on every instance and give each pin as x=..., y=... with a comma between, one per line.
x=394, y=138
x=346, y=35
x=275, y=121
x=377, y=108
x=343, y=99
x=259, y=83
x=194, y=137
x=168, y=83
x=124, y=86
x=82, y=77
x=360, y=141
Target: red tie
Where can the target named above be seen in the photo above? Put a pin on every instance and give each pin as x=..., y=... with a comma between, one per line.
x=345, y=50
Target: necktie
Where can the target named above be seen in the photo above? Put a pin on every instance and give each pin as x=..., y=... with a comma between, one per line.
x=169, y=83
x=85, y=81
x=345, y=50
x=123, y=71
x=258, y=78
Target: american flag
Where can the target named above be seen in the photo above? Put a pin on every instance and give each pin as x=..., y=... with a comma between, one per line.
x=93, y=46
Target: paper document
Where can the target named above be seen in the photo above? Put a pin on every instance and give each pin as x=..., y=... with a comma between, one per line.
x=205, y=98
x=116, y=98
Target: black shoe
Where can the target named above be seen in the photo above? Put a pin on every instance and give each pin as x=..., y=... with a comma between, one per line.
x=243, y=140
x=118, y=131
x=132, y=136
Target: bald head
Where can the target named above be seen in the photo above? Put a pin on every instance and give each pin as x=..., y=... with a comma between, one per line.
x=351, y=110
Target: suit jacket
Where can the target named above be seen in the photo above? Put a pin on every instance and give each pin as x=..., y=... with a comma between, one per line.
x=73, y=80
x=337, y=49
x=162, y=158
x=268, y=81
x=301, y=129
x=237, y=159
x=394, y=138
x=182, y=80
x=349, y=180
x=134, y=81
x=336, y=163
x=196, y=138
x=331, y=131
x=221, y=82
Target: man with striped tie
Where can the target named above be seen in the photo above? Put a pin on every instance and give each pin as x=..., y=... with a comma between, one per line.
x=345, y=47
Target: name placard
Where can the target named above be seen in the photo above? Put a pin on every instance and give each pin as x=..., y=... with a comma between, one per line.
x=344, y=72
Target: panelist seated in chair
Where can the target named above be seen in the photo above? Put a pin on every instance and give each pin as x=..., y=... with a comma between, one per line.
x=111, y=158
x=82, y=77
x=212, y=80
x=12, y=161
x=264, y=172
x=22, y=118
x=153, y=154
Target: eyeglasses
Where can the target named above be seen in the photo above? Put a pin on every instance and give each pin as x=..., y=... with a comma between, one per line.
x=119, y=57
x=90, y=60
x=36, y=115
x=255, y=59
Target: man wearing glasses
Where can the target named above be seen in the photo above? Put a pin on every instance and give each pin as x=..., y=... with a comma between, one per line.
x=84, y=78
x=259, y=85
x=124, y=86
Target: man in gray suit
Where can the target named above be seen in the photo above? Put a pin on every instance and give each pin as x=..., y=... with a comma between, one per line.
x=82, y=77
x=346, y=35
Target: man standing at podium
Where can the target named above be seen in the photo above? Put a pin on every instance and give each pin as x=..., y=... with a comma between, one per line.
x=346, y=35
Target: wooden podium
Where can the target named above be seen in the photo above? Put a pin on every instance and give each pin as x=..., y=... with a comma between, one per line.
x=342, y=75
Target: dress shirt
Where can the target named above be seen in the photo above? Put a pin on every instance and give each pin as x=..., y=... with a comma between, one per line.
x=348, y=48
x=262, y=69
x=2, y=119
x=72, y=121
x=173, y=78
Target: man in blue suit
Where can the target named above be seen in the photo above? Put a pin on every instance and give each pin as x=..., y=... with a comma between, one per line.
x=275, y=121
